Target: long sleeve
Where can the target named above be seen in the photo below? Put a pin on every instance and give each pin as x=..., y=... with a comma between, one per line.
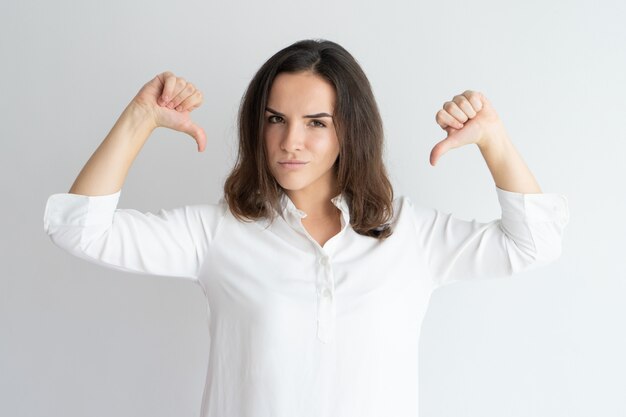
x=528, y=234
x=172, y=242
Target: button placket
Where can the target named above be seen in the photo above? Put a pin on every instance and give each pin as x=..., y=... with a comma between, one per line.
x=325, y=301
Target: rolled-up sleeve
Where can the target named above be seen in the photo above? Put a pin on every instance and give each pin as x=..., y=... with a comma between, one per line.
x=528, y=234
x=171, y=242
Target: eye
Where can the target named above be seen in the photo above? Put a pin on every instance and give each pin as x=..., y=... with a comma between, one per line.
x=319, y=124
x=271, y=118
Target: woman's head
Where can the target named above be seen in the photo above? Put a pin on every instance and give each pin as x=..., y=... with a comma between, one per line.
x=254, y=187
x=298, y=127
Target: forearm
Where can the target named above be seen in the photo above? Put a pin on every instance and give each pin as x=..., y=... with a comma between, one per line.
x=506, y=165
x=106, y=170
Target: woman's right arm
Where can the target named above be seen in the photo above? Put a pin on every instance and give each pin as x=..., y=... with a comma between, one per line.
x=106, y=170
x=86, y=221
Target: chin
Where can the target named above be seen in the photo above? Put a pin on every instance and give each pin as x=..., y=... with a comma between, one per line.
x=291, y=185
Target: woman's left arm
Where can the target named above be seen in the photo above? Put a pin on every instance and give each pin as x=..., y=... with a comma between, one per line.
x=529, y=232
x=470, y=118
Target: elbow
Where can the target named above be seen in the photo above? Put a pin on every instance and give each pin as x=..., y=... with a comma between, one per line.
x=67, y=238
x=548, y=249
x=545, y=250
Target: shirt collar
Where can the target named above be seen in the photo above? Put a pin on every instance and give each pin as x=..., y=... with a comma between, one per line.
x=340, y=201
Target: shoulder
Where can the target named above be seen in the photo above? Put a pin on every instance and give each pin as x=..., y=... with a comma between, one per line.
x=204, y=211
x=402, y=211
x=201, y=216
x=405, y=208
x=401, y=205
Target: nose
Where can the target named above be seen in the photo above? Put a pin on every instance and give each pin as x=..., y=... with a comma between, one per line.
x=292, y=138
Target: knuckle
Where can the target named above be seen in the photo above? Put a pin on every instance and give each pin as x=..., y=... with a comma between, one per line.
x=459, y=99
x=448, y=105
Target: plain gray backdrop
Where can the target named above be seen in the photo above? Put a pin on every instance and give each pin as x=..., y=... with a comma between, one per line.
x=80, y=340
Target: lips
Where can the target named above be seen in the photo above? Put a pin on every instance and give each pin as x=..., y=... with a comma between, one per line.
x=292, y=164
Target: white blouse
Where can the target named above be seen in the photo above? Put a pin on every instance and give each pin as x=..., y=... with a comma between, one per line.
x=299, y=329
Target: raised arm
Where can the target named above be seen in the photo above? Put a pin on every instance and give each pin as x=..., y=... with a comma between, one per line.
x=86, y=221
x=529, y=232
x=106, y=170
x=470, y=118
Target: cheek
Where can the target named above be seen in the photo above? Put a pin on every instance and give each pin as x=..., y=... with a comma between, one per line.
x=329, y=146
x=270, y=138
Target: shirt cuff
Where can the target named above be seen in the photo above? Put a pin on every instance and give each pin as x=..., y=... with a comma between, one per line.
x=540, y=207
x=80, y=210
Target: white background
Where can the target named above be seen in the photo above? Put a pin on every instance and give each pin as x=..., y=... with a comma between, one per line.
x=80, y=340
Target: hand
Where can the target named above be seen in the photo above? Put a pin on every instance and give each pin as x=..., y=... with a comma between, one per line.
x=468, y=118
x=169, y=100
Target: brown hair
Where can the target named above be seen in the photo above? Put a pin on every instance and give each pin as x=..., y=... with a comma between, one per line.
x=251, y=190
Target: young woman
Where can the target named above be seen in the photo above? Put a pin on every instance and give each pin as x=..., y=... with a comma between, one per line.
x=316, y=278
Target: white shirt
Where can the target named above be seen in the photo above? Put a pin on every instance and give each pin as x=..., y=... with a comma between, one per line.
x=297, y=329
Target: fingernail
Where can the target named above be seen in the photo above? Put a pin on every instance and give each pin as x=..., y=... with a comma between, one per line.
x=170, y=105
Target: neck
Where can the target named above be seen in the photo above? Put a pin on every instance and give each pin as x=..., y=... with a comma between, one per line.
x=316, y=204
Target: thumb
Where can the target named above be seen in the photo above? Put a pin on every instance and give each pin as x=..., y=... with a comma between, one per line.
x=439, y=149
x=453, y=140
x=197, y=133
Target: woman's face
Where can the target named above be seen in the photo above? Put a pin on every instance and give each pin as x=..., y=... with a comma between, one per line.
x=298, y=127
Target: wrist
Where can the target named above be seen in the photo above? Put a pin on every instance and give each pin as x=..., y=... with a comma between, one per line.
x=497, y=138
x=140, y=116
x=134, y=125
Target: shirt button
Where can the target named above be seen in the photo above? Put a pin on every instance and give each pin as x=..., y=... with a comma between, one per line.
x=323, y=260
x=326, y=293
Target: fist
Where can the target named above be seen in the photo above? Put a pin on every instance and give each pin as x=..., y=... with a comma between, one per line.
x=169, y=100
x=468, y=118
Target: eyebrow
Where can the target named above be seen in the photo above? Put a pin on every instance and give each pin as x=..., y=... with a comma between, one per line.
x=308, y=116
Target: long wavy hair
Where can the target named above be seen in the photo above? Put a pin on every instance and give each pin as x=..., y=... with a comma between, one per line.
x=251, y=190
